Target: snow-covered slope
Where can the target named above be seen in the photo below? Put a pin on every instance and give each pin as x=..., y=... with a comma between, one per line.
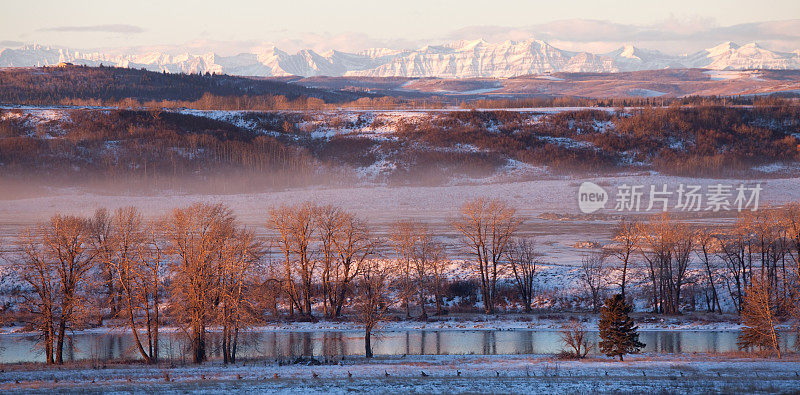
x=630, y=58
x=460, y=59
x=481, y=59
x=729, y=56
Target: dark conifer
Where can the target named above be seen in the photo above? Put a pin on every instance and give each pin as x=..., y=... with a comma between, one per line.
x=617, y=331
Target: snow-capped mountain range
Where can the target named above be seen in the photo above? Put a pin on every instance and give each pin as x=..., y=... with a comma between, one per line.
x=460, y=59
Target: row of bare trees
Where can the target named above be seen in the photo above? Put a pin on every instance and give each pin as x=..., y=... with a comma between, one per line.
x=668, y=255
x=319, y=245
x=196, y=259
x=322, y=249
x=751, y=267
x=197, y=268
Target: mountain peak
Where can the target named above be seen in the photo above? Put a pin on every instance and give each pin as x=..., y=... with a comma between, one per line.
x=629, y=51
x=467, y=44
x=727, y=46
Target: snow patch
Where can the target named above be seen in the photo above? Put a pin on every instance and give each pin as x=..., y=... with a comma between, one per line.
x=641, y=92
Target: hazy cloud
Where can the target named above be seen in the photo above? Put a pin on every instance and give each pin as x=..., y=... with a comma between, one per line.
x=347, y=42
x=286, y=41
x=672, y=34
x=9, y=43
x=119, y=28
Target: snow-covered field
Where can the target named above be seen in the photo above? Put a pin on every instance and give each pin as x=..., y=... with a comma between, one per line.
x=550, y=206
x=426, y=374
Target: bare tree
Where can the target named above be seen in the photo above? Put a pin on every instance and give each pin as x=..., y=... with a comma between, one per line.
x=39, y=273
x=425, y=255
x=353, y=245
x=372, y=298
x=666, y=246
x=791, y=226
x=438, y=262
x=195, y=235
x=771, y=246
x=328, y=219
x=593, y=274
x=487, y=227
x=101, y=224
x=65, y=244
x=735, y=252
x=421, y=260
x=128, y=250
x=576, y=338
x=67, y=238
x=240, y=253
x=279, y=221
x=403, y=237
x=626, y=239
x=268, y=288
x=708, y=244
x=149, y=274
x=321, y=245
x=523, y=257
x=295, y=227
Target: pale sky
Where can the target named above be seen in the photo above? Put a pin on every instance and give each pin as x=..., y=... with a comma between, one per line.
x=232, y=26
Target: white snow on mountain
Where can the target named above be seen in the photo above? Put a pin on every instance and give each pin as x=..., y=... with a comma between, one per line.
x=730, y=56
x=459, y=59
x=630, y=58
x=465, y=59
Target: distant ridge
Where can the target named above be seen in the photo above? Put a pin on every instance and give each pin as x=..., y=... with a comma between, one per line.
x=459, y=59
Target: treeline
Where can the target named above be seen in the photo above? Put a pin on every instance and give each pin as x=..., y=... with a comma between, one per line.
x=199, y=269
x=570, y=101
x=682, y=140
x=245, y=102
x=155, y=147
x=109, y=85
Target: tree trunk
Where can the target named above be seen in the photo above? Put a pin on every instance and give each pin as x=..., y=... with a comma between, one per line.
x=225, y=345
x=438, y=297
x=424, y=315
x=234, y=344
x=62, y=327
x=307, y=300
x=48, y=346
x=155, y=353
x=367, y=345
x=199, y=344
x=624, y=276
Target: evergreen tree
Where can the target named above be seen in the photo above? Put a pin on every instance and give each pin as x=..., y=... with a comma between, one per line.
x=617, y=331
x=758, y=319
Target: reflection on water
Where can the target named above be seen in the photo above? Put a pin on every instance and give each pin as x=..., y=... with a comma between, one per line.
x=271, y=345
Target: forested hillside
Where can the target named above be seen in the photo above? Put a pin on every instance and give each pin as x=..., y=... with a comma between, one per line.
x=105, y=85
x=284, y=148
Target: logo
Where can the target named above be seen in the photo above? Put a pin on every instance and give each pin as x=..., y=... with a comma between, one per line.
x=591, y=197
